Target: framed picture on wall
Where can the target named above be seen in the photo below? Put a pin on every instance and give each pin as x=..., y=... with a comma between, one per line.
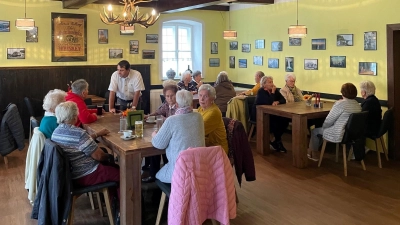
x=289, y=64
x=294, y=41
x=133, y=47
x=148, y=54
x=273, y=63
x=338, y=61
x=151, y=38
x=276, y=46
x=233, y=45
x=15, y=53
x=4, y=26
x=102, y=36
x=214, y=62
x=214, y=47
x=115, y=53
x=242, y=63
x=318, y=44
x=260, y=43
x=232, y=62
x=258, y=60
x=32, y=35
x=246, y=48
x=344, y=40
x=367, y=68
x=126, y=30
x=311, y=64
x=370, y=40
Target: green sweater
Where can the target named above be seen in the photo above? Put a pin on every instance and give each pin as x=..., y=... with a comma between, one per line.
x=48, y=125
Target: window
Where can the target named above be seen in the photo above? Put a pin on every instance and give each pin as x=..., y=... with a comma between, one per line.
x=181, y=46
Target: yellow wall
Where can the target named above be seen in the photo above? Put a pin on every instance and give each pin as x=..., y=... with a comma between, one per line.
x=39, y=54
x=324, y=19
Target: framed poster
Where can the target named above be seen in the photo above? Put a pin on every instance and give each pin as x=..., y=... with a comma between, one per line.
x=32, y=35
x=68, y=37
x=102, y=36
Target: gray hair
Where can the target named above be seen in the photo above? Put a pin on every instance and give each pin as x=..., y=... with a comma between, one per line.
x=196, y=73
x=260, y=74
x=222, y=77
x=79, y=86
x=264, y=80
x=211, y=90
x=185, y=74
x=368, y=87
x=168, y=82
x=52, y=99
x=66, y=112
x=289, y=75
x=184, y=98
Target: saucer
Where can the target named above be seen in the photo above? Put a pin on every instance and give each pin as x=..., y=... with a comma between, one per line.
x=129, y=138
x=147, y=121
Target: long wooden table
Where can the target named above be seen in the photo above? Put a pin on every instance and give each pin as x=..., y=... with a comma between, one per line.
x=299, y=113
x=97, y=100
x=130, y=155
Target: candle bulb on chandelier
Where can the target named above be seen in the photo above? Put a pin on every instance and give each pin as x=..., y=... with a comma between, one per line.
x=153, y=12
x=109, y=8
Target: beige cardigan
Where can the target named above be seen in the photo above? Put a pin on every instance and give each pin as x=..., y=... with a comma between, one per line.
x=287, y=94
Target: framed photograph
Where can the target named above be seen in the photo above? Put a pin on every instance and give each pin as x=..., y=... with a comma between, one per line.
x=246, y=48
x=294, y=41
x=318, y=44
x=344, y=40
x=133, y=47
x=15, y=53
x=367, y=68
x=214, y=47
x=148, y=54
x=276, y=46
x=151, y=38
x=32, y=35
x=115, y=53
x=242, y=63
x=370, y=40
x=289, y=64
x=338, y=61
x=4, y=26
x=68, y=37
x=232, y=62
x=214, y=62
x=233, y=45
x=102, y=36
x=260, y=43
x=273, y=63
x=126, y=30
x=311, y=64
x=258, y=60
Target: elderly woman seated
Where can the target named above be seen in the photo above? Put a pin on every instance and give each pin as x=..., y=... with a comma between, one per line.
x=224, y=91
x=214, y=128
x=268, y=95
x=50, y=102
x=179, y=132
x=185, y=83
x=333, y=128
x=90, y=164
x=372, y=105
x=196, y=81
x=290, y=92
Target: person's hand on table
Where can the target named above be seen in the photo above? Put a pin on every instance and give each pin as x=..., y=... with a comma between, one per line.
x=275, y=103
x=112, y=110
x=154, y=133
x=103, y=132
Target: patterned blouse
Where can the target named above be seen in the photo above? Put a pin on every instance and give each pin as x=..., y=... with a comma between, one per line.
x=165, y=110
x=190, y=87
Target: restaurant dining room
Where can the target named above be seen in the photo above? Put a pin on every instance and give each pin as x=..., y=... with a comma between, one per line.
x=199, y=112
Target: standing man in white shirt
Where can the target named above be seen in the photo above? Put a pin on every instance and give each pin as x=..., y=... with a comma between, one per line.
x=127, y=84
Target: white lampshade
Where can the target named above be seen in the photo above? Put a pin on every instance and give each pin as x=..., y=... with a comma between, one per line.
x=230, y=34
x=25, y=24
x=297, y=31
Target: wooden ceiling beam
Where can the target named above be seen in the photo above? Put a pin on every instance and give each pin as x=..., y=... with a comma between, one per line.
x=76, y=4
x=174, y=6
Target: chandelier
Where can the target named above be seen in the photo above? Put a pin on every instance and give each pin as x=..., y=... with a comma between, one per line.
x=130, y=15
x=230, y=34
x=297, y=31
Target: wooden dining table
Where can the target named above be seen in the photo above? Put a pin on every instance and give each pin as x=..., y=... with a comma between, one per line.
x=97, y=100
x=299, y=113
x=130, y=154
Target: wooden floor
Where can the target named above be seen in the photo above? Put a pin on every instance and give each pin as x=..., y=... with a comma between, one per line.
x=282, y=194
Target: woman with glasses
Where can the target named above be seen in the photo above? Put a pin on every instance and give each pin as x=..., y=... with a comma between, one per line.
x=290, y=92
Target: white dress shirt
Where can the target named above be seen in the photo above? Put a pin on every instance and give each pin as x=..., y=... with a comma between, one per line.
x=126, y=87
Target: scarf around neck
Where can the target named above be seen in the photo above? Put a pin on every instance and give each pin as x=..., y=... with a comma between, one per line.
x=294, y=93
x=184, y=110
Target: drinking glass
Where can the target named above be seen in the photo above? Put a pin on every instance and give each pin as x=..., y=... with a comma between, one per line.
x=139, y=128
x=122, y=124
x=117, y=108
x=99, y=110
x=159, y=121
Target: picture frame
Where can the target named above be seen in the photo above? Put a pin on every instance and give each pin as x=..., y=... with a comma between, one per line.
x=214, y=62
x=276, y=46
x=133, y=47
x=126, y=30
x=68, y=37
x=318, y=44
x=344, y=40
x=368, y=68
x=4, y=26
x=152, y=38
x=289, y=64
x=294, y=41
x=148, y=54
x=260, y=44
x=232, y=62
x=214, y=47
x=311, y=64
x=233, y=45
x=273, y=63
x=32, y=35
x=242, y=63
x=370, y=40
x=258, y=60
x=246, y=48
x=102, y=36
x=15, y=53
x=115, y=53
x=337, y=61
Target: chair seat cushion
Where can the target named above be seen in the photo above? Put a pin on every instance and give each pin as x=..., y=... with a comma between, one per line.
x=92, y=188
x=165, y=187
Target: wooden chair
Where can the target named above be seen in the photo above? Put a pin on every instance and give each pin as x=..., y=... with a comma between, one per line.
x=354, y=131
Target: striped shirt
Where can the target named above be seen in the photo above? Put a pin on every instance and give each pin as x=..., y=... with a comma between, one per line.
x=78, y=146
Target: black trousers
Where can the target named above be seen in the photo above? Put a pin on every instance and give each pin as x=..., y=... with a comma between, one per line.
x=278, y=126
x=155, y=163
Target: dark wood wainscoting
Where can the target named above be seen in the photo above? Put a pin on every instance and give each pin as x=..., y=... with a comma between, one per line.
x=34, y=82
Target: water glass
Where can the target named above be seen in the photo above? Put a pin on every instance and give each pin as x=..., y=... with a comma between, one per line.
x=122, y=123
x=159, y=121
x=139, y=128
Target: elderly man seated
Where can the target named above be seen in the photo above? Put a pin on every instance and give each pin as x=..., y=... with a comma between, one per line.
x=254, y=90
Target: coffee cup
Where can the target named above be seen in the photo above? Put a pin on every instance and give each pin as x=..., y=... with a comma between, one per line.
x=127, y=133
x=151, y=119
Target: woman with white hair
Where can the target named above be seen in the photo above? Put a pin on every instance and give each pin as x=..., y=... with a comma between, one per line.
x=179, y=132
x=224, y=91
x=196, y=81
x=49, y=122
x=372, y=105
x=214, y=128
x=290, y=92
x=185, y=83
